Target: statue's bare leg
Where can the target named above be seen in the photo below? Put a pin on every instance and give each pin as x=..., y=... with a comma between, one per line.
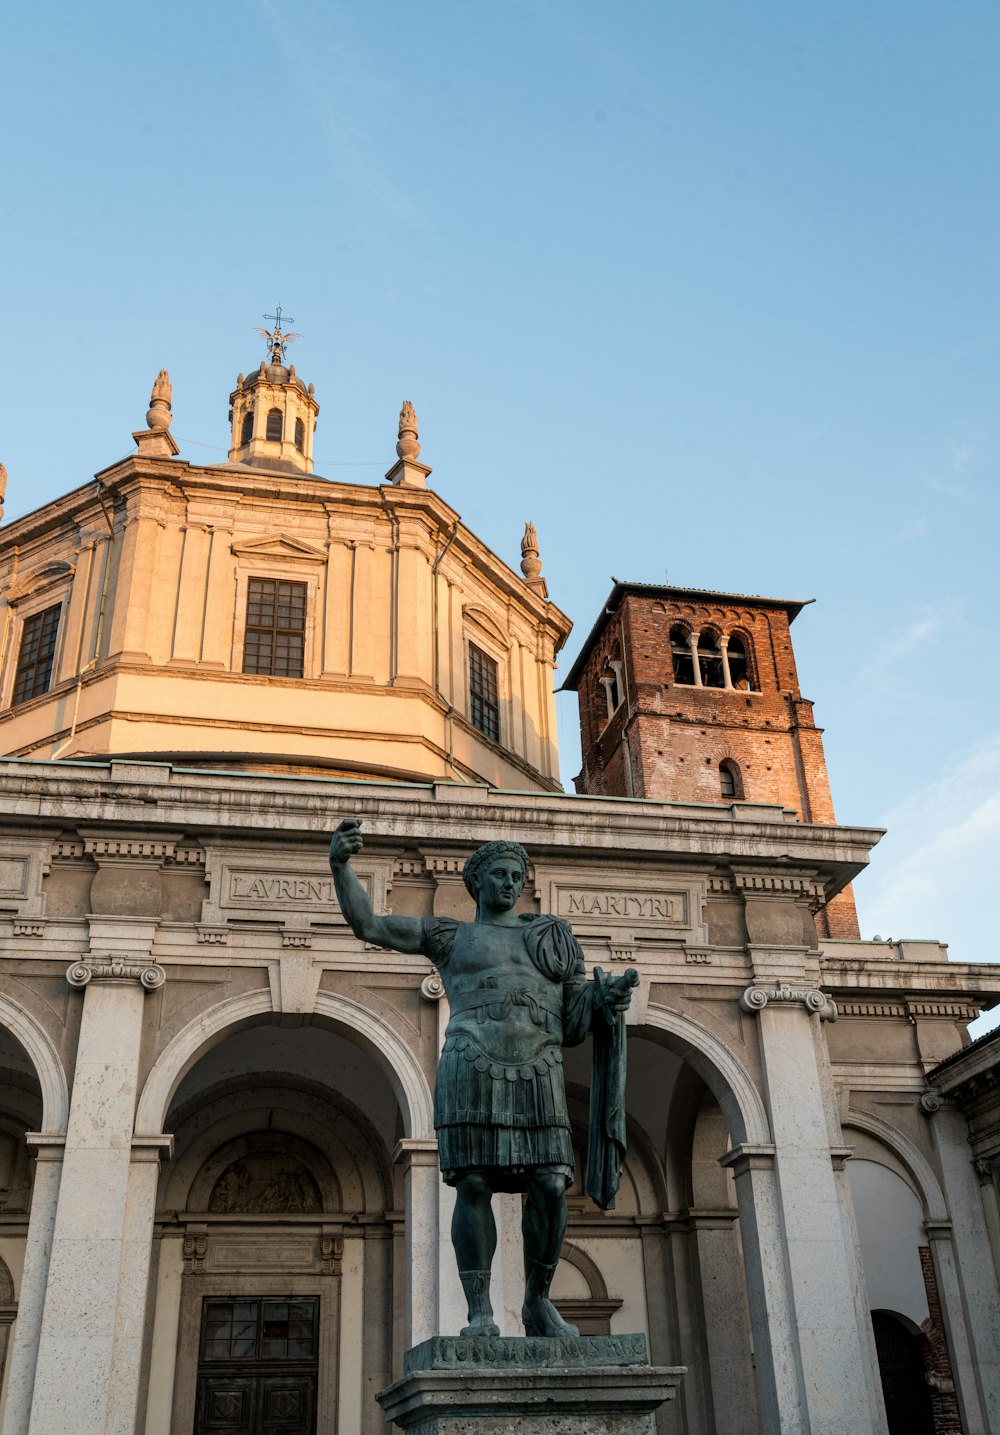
x=543, y=1226
x=474, y=1236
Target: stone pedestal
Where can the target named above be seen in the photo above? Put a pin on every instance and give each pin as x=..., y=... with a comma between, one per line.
x=528, y=1385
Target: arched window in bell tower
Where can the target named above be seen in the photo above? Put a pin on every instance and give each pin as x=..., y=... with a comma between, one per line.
x=739, y=663
x=680, y=654
x=273, y=433
x=246, y=433
x=710, y=660
x=300, y=435
x=730, y=780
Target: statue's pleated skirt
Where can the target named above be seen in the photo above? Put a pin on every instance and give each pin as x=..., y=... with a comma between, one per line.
x=504, y=1116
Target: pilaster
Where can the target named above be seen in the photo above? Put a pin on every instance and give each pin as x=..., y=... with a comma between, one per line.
x=794, y=1207
x=421, y=1179
x=94, y=1303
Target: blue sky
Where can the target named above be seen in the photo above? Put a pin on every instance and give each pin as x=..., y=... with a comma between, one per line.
x=706, y=290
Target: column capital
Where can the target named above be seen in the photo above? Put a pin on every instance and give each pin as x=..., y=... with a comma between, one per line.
x=115, y=969
x=749, y=1157
x=46, y=1145
x=152, y=1148
x=415, y=1151
x=817, y=1003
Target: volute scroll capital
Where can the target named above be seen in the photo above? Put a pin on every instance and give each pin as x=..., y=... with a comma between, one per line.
x=111, y=968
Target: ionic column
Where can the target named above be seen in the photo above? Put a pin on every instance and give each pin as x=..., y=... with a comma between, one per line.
x=693, y=645
x=24, y=1353
x=88, y=1353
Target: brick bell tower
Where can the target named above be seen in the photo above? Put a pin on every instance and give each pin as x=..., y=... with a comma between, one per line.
x=692, y=696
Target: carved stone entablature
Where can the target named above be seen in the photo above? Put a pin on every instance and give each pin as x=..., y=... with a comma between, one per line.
x=958, y=1010
x=29, y=928
x=717, y=885
x=870, y=1008
x=621, y=952
x=195, y=1252
x=755, y=999
x=213, y=936
x=698, y=956
x=250, y=884
x=22, y=867
x=624, y=907
x=432, y=987
x=331, y=1254
x=115, y=969
x=129, y=845
x=796, y=884
x=442, y=866
x=409, y=867
x=296, y=939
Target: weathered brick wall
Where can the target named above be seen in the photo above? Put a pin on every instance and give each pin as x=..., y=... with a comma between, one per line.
x=937, y=1362
x=677, y=734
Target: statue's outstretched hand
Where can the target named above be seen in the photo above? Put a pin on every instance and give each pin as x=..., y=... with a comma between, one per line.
x=618, y=994
x=346, y=842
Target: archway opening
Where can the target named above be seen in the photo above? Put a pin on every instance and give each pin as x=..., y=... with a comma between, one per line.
x=908, y=1406
x=279, y=1218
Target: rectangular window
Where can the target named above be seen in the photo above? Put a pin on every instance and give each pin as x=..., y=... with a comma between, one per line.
x=483, y=700
x=34, y=661
x=276, y=627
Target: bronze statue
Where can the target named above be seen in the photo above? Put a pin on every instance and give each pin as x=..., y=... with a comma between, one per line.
x=518, y=994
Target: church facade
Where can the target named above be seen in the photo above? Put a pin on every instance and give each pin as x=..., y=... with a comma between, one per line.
x=220, y=1208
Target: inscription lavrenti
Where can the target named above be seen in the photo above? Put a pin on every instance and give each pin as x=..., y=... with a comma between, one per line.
x=255, y=887
x=252, y=887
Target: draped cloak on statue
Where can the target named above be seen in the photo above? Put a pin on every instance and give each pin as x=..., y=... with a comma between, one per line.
x=500, y=1095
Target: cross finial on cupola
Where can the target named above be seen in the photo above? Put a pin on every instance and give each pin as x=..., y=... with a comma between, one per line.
x=277, y=338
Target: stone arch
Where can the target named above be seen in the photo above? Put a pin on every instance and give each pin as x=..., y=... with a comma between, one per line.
x=588, y=1268
x=926, y=1183
x=593, y=1312
x=44, y=1058
x=311, y=1115
x=226, y=1017
x=722, y=1072
x=477, y=617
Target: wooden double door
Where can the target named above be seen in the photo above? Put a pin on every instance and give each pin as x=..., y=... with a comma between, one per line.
x=258, y=1366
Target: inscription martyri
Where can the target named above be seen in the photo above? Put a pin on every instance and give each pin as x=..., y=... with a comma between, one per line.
x=258, y=889
x=669, y=908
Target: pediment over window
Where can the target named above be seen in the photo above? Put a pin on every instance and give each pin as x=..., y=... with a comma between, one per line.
x=479, y=618
x=44, y=576
x=281, y=546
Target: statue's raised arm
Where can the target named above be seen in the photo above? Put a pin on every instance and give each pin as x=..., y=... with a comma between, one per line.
x=402, y=934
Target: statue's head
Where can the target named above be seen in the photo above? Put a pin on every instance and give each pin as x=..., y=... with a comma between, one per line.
x=491, y=852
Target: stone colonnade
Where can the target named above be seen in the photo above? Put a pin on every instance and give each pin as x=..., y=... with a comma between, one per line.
x=77, y=1354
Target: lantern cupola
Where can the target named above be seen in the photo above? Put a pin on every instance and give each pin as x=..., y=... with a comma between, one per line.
x=272, y=412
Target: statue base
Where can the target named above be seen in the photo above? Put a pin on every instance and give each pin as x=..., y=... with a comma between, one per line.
x=529, y=1385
